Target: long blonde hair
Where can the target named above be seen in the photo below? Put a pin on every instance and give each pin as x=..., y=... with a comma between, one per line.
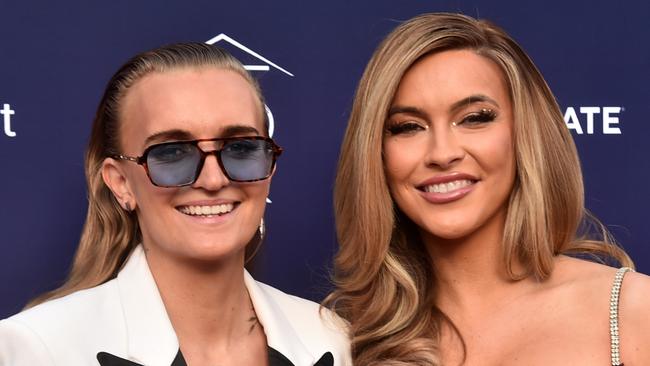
x=383, y=274
x=110, y=233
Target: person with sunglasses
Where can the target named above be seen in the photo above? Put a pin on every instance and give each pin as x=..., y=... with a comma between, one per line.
x=178, y=167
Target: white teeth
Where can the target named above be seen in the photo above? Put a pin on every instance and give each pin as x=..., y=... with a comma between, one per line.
x=447, y=187
x=207, y=210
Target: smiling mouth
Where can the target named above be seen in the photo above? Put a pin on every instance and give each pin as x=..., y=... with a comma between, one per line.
x=447, y=187
x=208, y=211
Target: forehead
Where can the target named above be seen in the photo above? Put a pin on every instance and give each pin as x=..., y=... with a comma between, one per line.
x=449, y=76
x=202, y=101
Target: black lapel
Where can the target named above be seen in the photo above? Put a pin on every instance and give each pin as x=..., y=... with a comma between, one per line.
x=179, y=360
x=326, y=360
x=107, y=359
x=278, y=359
x=275, y=359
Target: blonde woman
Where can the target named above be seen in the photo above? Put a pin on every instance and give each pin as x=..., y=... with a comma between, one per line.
x=459, y=202
x=178, y=166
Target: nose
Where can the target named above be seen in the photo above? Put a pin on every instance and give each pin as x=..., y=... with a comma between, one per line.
x=211, y=177
x=444, y=150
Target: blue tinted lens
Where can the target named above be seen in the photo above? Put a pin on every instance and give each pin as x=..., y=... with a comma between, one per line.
x=173, y=164
x=247, y=160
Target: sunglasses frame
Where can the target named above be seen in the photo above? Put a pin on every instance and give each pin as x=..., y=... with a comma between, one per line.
x=142, y=159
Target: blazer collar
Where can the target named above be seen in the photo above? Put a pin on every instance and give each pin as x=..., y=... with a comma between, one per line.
x=151, y=339
x=280, y=334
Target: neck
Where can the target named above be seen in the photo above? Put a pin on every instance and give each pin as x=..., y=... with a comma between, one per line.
x=207, y=303
x=470, y=271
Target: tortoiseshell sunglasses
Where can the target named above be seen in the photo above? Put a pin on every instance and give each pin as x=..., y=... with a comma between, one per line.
x=179, y=163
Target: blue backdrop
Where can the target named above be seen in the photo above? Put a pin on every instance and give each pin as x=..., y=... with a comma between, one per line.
x=56, y=57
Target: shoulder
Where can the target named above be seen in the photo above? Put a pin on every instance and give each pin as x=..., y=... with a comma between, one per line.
x=66, y=311
x=578, y=291
x=634, y=318
x=15, y=339
x=317, y=328
x=60, y=324
x=306, y=313
x=583, y=277
x=635, y=293
x=588, y=286
x=585, y=280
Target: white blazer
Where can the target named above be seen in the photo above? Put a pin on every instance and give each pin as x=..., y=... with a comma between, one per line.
x=125, y=319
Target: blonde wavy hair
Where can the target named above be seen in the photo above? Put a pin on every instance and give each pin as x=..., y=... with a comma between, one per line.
x=110, y=233
x=383, y=276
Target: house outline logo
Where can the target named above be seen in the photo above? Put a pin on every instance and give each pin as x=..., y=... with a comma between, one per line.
x=268, y=63
x=265, y=67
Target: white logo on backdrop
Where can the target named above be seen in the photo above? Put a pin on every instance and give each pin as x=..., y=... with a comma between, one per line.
x=265, y=65
x=6, y=113
x=593, y=120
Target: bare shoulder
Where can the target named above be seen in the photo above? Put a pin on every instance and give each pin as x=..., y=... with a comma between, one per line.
x=635, y=293
x=584, y=276
x=634, y=319
x=584, y=289
x=589, y=285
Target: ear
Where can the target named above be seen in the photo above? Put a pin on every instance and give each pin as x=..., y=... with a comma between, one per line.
x=115, y=178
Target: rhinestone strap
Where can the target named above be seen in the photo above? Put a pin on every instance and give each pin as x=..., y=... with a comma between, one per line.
x=613, y=315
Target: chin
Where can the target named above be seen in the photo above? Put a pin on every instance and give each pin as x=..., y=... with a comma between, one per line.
x=214, y=250
x=448, y=234
x=202, y=248
x=449, y=231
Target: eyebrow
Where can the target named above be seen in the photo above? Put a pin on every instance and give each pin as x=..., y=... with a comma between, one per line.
x=407, y=110
x=168, y=135
x=234, y=130
x=183, y=135
x=472, y=99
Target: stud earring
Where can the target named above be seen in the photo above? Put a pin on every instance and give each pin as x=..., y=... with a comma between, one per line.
x=128, y=206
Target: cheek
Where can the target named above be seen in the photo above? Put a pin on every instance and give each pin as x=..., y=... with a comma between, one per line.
x=400, y=160
x=255, y=200
x=496, y=155
x=257, y=192
x=141, y=187
x=153, y=201
x=150, y=200
x=504, y=152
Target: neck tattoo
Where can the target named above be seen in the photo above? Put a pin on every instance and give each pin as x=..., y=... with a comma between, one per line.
x=253, y=321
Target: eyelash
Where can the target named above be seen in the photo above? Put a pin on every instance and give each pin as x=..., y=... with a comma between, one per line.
x=473, y=119
x=403, y=127
x=483, y=116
